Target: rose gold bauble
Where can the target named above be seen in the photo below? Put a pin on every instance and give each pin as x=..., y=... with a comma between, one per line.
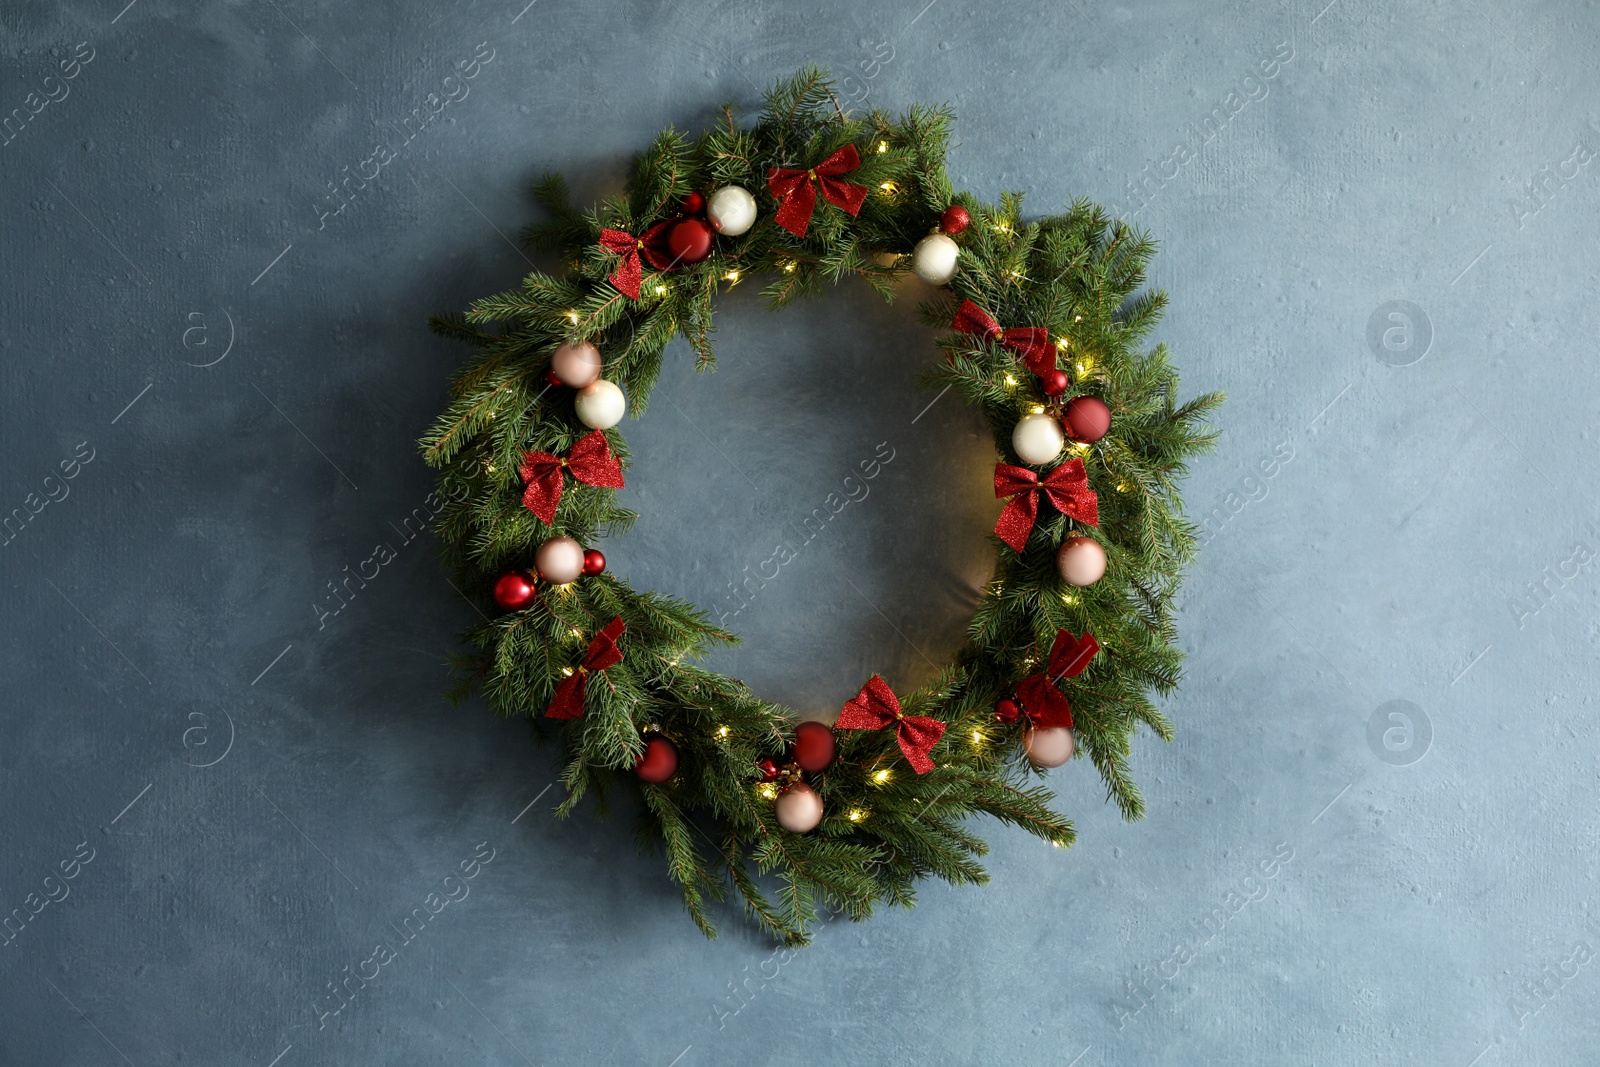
x=560, y=560
x=1081, y=560
x=576, y=364
x=799, y=808
x=1050, y=747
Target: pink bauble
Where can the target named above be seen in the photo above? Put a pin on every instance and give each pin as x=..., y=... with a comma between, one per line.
x=1081, y=560
x=1050, y=747
x=576, y=364
x=799, y=808
x=560, y=560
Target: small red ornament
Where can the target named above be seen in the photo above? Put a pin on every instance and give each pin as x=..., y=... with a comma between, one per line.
x=659, y=762
x=690, y=241
x=769, y=770
x=514, y=591
x=1054, y=383
x=694, y=204
x=594, y=562
x=1087, y=419
x=550, y=376
x=1006, y=710
x=813, y=746
x=954, y=219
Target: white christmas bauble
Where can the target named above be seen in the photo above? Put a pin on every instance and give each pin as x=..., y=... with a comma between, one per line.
x=1050, y=747
x=559, y=560
x=600, y=405
x=934, y=259
x=1037, y=439
x=731, y=210
x=799, y=808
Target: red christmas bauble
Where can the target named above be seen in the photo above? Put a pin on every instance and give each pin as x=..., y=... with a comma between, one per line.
x=954, y=219
x=550, y=376
x=690, y=241
x=594, y=562
x=694, y=204
x=769, y=770
x=659, y=762
x=1006, y=710
x=1087, y=419
x=1054, y=382
x=514, y=591
x=813, y=746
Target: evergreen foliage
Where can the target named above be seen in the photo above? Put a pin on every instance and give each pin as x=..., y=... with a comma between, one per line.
x=1078, y=274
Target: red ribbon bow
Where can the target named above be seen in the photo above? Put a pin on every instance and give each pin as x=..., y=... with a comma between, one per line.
x=1041, y=701
x=1066, y=487
x=568, y=700
x=630, y=272
x=590, y=462
x=797, y=197
x=1032, y=343
x=876, y=707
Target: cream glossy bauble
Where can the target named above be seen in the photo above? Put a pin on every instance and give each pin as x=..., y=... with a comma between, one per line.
x=799, y=808
x=1037, y=439
x=576, y=364
x=559, y=560
x=1050, y=747
x=600, y=404
x=934, y=259
x=731, y=210
x=1081, y=561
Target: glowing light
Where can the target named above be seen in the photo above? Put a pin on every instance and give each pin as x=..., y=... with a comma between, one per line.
x=1068, y=598
x=1038, y=409
x=1059, y=844
x=566, y=671
x=1016, y=275
x=573, y=315
x=722, y=733
x=1123, y=487
x=661, y=290
x=977, y=737
x=889, y=188
x=1010, y=380
x=575, y=632
x=880, y=777
x=1077, y=318
x=1062, y=343
x=767, y=790
x=1002, y=226
x=788, y=268
x=731, y=276
x=489, y=467
x=883, y=146
x=856, y=814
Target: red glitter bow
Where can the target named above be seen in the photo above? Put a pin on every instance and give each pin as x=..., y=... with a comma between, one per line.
x=630, y=272
x=1066, y=487
x=1041, y=701
x=590, y=462
x=797, y=197
x=876, y=707
x=568, y=700
x=1032, y=343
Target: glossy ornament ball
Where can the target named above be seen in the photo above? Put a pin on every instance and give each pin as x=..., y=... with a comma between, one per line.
x=514, y=591
x=1087, y=418
x=1037, y=439
x=550, y=376
x=594, y=562
x=732, y=210
x=659, y=762
x=600, y=405
x=769, y=770
x=689, y=241
x=1081, y=561
x=799, y=808
x=813, y=746
x=575, y=364
x=1006, y=710
x=693, y=204
x=560, y=560
x=1050, y=747
x=934, y=259
x=1054, y=382
x=954, y=219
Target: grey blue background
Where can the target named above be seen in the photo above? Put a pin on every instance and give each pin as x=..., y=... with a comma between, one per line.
x=266, y=789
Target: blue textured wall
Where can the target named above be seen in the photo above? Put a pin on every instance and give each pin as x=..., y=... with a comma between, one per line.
x=223, y=786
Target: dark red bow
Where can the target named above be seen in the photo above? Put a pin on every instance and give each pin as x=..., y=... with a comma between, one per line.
x=590, y=462
x=1066, y=487
x=568, y=700
x=630, y=272
x=876, y=707
x=797, y=197
x=1041, y=701
x=1032, y=343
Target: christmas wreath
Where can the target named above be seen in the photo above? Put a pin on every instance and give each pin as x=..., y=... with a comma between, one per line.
x=1075, y=630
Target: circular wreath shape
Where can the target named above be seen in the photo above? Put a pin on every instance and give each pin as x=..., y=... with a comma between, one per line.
x=1074, y=633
